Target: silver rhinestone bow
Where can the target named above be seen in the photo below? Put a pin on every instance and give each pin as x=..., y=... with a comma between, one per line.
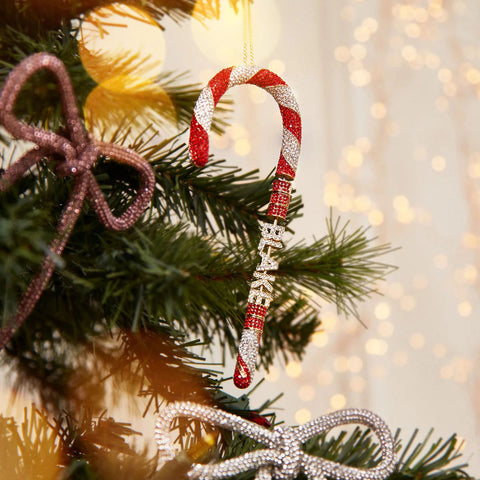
x=284, y=458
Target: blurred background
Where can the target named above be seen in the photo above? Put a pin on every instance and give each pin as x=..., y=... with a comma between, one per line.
x=390, y=99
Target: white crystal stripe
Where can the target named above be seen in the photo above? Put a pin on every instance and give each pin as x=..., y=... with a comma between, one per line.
x=204, y=108
x=284, y=96
x=290, y=148
x=248, y=348
x=242, y=74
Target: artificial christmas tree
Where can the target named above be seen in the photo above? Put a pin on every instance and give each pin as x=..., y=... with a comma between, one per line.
x=131, y=305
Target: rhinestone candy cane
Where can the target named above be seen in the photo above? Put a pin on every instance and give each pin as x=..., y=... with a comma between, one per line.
x=76, y=153
x=284, y=458
x=261, y=287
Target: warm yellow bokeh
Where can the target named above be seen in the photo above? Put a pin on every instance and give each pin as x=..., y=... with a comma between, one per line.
x=123, y=50
x=221, y=38
x=113, y=106
x=118, y=40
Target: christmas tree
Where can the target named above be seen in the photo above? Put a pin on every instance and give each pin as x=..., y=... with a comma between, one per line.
x=130, y=317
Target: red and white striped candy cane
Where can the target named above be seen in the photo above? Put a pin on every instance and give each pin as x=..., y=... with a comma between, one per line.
x=261, y=287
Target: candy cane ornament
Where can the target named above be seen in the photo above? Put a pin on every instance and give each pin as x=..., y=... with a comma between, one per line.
x=261, y=288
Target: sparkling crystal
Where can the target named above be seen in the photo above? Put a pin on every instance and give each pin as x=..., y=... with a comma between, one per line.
x=284, y=96
x=76, y=154
x=290, y=148
x=204, y=109
x=242, y=74
x=284, y=458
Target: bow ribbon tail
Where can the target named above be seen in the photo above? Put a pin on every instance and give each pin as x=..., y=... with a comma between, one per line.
x=237, y=465
x=37, y=285
x=16, y=170
x=264, y=473
x=132, y=159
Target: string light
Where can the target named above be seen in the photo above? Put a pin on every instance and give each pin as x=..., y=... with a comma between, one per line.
x=382, y=310
x=417, y=341
x=408, y=47
x=465, y=309
x=338, y=401
x=376, y=346
x=439, y=350
x=303, y=416
x=293, y=369
x=320, y=339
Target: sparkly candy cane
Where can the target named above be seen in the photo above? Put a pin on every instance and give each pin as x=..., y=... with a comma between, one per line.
x=261, y=287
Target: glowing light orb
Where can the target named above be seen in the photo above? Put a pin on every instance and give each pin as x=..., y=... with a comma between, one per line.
x=118, y=40
x=113, y=108
x=221, y=38
x=123, y=50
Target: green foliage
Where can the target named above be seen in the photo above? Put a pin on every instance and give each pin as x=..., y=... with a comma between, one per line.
x=42, y=448
x=425, y=460
x=98, y=447
x=125, y=312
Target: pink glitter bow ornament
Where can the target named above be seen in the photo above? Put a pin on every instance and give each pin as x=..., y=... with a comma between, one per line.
x=76, y=156
x=261, y=288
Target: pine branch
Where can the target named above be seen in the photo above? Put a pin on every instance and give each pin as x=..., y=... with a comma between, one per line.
x=88, y=447
x=65, y=447
x=342, y=267
x=215, y=198
x=428, y=460
x=31, y=451
x=40, y=103
x=45, y=14
x=48, y=14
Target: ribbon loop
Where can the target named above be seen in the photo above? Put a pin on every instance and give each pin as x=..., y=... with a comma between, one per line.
x=284, y=458
x=76, y=154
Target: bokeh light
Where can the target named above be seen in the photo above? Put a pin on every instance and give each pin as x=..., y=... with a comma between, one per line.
x=303, y=416
x=123, y=50
x=221, y=38
x=139, y=106
x=293, y=369
x=118, y=40
x=417, y=341
x=338, y=401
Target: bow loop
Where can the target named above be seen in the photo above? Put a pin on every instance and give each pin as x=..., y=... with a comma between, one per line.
x=284, y=458
x=75, y=154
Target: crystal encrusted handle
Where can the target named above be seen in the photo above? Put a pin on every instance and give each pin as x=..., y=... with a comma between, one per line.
x=261, y=289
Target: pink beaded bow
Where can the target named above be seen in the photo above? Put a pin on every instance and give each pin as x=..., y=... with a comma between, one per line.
x=76, y=155
x=261, y=288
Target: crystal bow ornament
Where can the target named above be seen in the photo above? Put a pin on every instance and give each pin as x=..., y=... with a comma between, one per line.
x=75, y=154
x=284, y=458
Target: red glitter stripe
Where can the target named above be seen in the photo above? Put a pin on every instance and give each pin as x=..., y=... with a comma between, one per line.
x=277, y=211
x=219, y=83
x=281, y=186
x=254, y=322
x=265, y=78
x=284, y=169
x=258, y=310
x=280, y=199
x=198, y=143
x=292, y=121
x=241, y=381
